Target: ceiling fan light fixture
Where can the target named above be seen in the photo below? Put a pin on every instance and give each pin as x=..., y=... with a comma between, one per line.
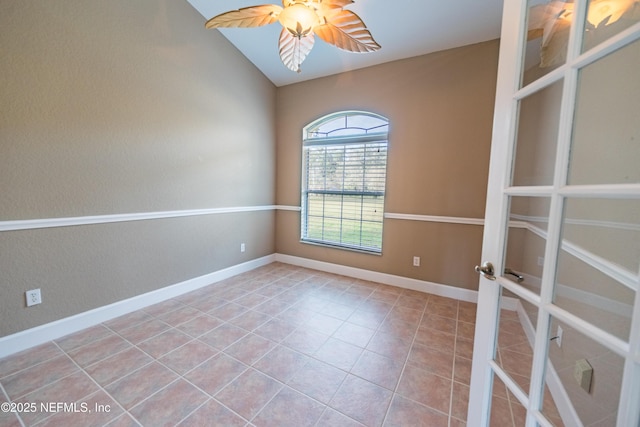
x=607, y=11
x=302, y=20
x=552, y=21
x=299, y=19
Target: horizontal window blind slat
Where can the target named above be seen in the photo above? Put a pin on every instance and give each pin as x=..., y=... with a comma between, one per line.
x=347, y=193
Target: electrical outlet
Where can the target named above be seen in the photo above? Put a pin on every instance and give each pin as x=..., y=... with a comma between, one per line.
x=416, y=261
x=33, y=297
x=540, y=261
x=242, y=248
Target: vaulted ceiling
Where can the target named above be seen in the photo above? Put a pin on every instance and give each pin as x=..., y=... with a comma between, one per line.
x=404, y=28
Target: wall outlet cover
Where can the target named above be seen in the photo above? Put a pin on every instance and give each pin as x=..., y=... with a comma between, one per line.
x=33, y=297
x=583, y=373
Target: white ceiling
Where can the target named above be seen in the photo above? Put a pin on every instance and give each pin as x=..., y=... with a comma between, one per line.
x=404, y=28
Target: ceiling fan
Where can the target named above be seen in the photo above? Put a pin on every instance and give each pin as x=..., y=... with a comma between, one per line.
x=302, y=20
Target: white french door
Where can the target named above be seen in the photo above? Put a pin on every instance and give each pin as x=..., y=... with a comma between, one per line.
x=557, y=337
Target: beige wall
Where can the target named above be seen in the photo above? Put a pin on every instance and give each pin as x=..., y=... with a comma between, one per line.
x=440, y=107
x=118, y=107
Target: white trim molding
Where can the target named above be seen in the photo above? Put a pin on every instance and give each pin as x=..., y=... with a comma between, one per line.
x=288, y=208
x=435, y=218
x=29, y=224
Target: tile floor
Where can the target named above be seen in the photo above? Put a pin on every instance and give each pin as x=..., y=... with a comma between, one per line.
x=277, y=346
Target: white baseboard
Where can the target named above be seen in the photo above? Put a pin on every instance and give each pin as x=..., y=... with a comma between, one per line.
x=40, y=334
x=387, y=279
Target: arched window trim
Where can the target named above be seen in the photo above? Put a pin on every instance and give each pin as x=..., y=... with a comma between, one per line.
x=331, y=117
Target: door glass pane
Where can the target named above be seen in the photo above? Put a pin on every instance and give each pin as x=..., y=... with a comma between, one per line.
x=596, y=403
x=504, y=406
x=606, y=135
x=539, y=117
x=598, y=262
x=514, y=353
x=548, y=26
x=606, y=18
x=526, y=242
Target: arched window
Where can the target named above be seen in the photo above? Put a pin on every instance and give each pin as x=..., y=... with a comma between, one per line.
x=343, y=180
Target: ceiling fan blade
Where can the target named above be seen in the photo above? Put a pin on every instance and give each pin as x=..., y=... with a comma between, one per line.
x=542, y=17
x=336, y=3
x=346, y=30
x=246, y=17
x=294, y=50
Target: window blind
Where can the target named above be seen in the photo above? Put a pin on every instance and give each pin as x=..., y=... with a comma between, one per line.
x=343, y=192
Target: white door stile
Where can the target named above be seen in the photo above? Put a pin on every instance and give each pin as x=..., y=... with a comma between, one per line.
x=504, y=128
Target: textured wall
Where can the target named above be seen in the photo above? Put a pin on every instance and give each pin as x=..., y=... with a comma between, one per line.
x=117, y=107
x=440, y=108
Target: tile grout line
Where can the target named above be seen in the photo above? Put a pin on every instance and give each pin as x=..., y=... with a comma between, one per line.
x=63, y=353
x=212, y=397
x=453, y=368
x=100, y=388
x=403, y=369
x=406, y=360
x=182, y=376
x=327, y=405
x=153, y=359
x=6, y=396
